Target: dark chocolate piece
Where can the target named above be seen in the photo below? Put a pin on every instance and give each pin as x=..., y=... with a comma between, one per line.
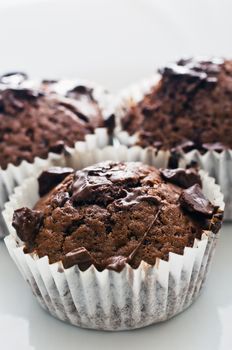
x=79, y=256
x=116, y=263
x=194, y=201
x=181, y=177
x=97, y=184
x=86, y=188
x=48, y=179
x=27, y=223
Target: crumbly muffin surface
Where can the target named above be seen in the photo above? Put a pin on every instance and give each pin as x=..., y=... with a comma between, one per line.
x=190, y=108
x=34, y=123
x=114, y=213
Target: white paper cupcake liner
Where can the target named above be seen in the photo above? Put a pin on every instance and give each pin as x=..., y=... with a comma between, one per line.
x=15, y=175
x=218, y=165
x=109, y=300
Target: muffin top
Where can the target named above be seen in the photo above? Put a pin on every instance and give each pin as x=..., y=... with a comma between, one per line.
x=115, y=213
x=37, y=120
x=190, y=108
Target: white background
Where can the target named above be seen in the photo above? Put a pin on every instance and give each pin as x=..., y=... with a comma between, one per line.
x=115, y=42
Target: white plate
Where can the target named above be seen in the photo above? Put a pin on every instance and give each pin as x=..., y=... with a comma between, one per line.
x=115, y=42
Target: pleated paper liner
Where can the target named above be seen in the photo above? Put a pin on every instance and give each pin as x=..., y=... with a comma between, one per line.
x=109, y=300
x=218, y=165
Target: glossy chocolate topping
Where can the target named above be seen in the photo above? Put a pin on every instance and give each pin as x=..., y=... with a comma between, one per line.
x=27, y=223
x=193, y=200
x=113, y=213
x=181, y=177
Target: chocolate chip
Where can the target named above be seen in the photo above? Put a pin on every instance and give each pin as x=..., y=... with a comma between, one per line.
x=194, y=201
x=181, y=177
x=27, y=223
x=103, y=185
x=116, y=263
x=87, y=188
x=79, y=256
x=52, y=177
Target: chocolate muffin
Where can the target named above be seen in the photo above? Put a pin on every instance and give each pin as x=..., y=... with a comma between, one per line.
x=115, y=213
x=190, y=108
x=34, y=123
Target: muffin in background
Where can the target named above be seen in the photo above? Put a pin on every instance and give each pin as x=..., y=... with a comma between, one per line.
x=186, y=111
x=116, y=245
x=33, y=124
x=39, y=126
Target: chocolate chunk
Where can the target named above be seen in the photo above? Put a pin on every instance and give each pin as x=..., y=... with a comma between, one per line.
x=79, y=256
x=87, y=188
x=52, y=177
x=181, y=177
x=116, y=263
x=27, y=223
x=194, y=201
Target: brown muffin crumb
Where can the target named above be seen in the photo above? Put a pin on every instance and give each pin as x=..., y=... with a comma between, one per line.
x=190, y=108
x=33, y=124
